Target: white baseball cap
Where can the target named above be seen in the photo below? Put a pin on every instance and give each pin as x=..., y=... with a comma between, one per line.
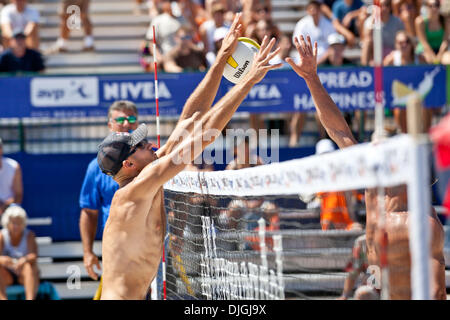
x=220, y=33
x=324, y=146
x=335, y=38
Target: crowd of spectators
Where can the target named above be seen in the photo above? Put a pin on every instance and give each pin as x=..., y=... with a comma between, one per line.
x=19, y=34
x=18, y=246
x=413, y=32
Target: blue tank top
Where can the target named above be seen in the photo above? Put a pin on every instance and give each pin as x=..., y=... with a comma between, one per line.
x=11, y=251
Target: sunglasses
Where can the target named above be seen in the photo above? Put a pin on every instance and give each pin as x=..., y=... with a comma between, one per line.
x=433, y=5
x=130, y=119
x=140, y=145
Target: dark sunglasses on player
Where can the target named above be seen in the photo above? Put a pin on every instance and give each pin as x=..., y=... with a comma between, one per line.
x=140, y=145
x=121, y=120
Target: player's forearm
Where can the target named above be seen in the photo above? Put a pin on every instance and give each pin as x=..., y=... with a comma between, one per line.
x=204, y=132
x=222, y=112
x=329, y=114
x=88, y=229
x=203, y=96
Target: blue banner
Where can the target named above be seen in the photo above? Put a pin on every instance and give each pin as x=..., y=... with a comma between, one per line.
x=280, y=91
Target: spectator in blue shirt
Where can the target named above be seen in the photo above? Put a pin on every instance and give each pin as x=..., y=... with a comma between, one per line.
x=98, y=188
x=347, y=12
x=19, y=58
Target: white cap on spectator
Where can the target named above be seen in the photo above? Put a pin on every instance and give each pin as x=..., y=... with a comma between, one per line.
x=324, y=146
x=220, y=33
x=335, y=38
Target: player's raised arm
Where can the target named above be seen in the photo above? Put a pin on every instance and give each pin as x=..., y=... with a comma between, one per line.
x=200, y=101
x=208, y=129
x=329, y=114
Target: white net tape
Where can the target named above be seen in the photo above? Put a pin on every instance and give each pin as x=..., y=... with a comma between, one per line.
x=361, y=166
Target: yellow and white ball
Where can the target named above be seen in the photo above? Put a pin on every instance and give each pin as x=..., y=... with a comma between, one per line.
x=240, y=61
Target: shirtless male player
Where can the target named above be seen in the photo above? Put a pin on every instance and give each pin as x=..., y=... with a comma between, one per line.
x=134, y=233
x=395, y=198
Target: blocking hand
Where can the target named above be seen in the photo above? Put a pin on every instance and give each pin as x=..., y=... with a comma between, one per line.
x=229, y=43
x=260, y=65
x=307, y=65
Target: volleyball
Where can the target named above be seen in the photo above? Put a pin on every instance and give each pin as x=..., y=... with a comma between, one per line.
x=239, y=63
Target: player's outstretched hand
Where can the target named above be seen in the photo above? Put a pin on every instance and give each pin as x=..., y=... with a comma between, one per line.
x=230, y=41
x=307, y=66
x=260, y=65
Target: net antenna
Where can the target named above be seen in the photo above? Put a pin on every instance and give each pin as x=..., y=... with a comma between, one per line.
x=378, y=134
x=158, y=134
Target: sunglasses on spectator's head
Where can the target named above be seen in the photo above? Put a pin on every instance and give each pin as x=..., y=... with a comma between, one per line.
x=434, y=5
x=121, y=120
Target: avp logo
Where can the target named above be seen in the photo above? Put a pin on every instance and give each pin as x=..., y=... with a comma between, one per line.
x=67, y=91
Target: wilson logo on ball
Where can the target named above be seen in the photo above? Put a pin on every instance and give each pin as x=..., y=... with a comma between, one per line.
x=241, y=70
x=238, y=64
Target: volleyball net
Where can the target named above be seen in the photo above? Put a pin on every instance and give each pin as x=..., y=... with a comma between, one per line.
x=260, y=232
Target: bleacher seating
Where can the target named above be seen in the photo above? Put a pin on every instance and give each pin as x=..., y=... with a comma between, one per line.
x=117, y=33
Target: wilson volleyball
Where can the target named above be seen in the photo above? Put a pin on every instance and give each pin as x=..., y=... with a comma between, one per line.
x=239, y=63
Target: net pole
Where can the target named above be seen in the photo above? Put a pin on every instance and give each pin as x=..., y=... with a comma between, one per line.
x=379, y=126
x=159, y=146
x=262, y=242
x=419, y=204
x=278, y=248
